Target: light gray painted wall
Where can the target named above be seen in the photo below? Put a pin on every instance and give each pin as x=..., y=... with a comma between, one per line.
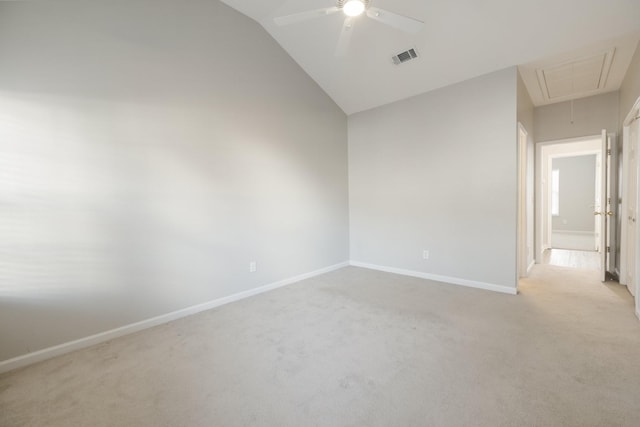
x=525, y=106
x=630, y=88
x=149, y=150
x=577, y=193
x=438, y=172
x=525, y=117
x=590, y=116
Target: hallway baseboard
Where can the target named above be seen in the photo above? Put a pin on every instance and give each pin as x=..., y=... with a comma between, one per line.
x=438, y=278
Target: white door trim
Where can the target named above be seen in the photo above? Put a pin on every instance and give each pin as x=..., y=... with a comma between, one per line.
x=523, y=244
x=622, y=277
x=544, y=150
x=633, y=115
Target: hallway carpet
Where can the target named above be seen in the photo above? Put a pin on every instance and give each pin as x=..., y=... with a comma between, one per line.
x=357, y=347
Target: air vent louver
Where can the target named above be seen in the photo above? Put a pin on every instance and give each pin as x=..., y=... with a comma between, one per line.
x=405, y=56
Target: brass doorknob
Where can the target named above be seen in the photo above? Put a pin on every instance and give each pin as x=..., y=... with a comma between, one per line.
x=610, y=213
x=597, y=213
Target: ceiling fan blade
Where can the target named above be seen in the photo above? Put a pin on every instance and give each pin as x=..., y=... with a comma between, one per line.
x=394, y=20
x=345, y=37
x=303, y=16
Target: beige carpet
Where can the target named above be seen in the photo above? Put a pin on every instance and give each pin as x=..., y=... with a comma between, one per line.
x=359, y=348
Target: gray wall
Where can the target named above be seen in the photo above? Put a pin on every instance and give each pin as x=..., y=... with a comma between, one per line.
x=149, y=150
x=438, y=172
x=590, y=116
x=630, y=88
x=526, y=119
x=577, y=193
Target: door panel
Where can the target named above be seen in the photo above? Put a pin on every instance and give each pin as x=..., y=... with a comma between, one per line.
x=602, y=212
x=610, y=204
x=632, y=201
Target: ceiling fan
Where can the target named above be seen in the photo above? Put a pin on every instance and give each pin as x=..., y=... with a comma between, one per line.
x=352, y=9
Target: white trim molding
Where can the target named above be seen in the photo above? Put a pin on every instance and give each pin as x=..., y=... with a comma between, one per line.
x=438, y=278
x=531, y=266
x=523, y=245
x=627, y=240
x=575, y=232
x=544, y=151
x=632, y=114
x=48, y=353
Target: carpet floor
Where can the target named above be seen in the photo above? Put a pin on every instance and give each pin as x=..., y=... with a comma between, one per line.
x=358, y=347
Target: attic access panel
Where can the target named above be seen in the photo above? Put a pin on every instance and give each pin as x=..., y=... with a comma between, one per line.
x=581, y=76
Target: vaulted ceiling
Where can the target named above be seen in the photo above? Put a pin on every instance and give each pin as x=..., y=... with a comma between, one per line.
x=591, y=70
x=461, y=39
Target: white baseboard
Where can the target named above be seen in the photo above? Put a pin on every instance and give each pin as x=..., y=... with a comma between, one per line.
x=638, y=314
x=575, y=232
x=438, y=278
x=573, y=240
x=47, y=353
x=531, y=266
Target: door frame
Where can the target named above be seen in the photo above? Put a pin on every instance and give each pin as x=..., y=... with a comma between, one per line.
x=625, y=240
x=544, y=151
x=523, y=246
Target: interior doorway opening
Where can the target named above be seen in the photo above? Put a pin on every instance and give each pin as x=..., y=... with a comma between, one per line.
x=574, y=224
x=575, y=196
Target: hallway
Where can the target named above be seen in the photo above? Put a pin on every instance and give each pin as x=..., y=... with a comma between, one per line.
x=587, y=260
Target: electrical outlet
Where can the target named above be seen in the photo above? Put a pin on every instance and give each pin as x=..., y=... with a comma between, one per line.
x=252, y=267
x=425, y=254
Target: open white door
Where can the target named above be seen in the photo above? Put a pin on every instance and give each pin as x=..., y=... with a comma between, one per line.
x=597, y=206
x=604, y=210
x=612, y=201
x=631, y=194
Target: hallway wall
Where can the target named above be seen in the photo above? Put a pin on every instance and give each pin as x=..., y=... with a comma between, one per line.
x=577, y=193
x=590, y=116
x=630, y=89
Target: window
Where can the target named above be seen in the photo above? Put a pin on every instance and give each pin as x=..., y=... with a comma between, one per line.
x=555, y=192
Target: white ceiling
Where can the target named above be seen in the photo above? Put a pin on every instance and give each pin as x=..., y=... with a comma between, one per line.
x=591, y=70
x=461, y=39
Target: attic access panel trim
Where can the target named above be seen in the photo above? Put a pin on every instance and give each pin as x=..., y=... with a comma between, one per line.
x=582, y=76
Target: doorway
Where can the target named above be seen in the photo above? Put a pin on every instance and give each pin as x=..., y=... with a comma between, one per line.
x=575, y=196
x=573, y=203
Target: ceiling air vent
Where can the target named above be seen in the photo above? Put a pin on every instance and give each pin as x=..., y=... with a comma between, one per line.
x=405, y=56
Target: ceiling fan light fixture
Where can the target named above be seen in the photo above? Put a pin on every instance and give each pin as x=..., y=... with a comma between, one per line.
x=353, y=7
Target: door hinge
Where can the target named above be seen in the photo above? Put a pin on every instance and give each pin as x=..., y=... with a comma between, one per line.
x=609, y=152
x=608, y=249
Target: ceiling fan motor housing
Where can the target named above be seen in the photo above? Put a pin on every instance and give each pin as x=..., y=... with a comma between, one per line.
x=340, y=3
